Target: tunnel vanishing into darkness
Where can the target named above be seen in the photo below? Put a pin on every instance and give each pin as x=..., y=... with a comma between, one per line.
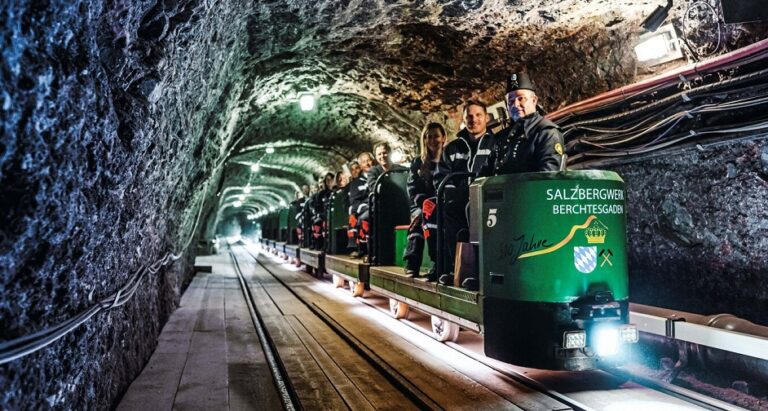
x=130, y=128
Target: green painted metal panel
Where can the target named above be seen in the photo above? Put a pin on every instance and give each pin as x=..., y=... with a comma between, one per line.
x=552, y=237
x=407, y=290
x=429, y=298
x=401, y=241
x=292, y=223
x=390, y=208
x=342, y=266
x=461, y=308
x=459, y=293
x=338, y=218
x=282, y=217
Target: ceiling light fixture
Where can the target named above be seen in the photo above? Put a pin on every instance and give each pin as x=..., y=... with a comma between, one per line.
x=237, y=203
x=271, y=209
x=270, y=150
x=306, y=101
x=255, y=168
x=247, y=190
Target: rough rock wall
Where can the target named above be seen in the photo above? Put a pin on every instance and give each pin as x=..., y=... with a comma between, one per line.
x=698, y=229
x=113, y=115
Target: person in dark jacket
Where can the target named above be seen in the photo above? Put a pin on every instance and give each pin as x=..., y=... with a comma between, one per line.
x=358, y=204
x=319, y=201
x=468, y=153
x=532, y=143
x=354, y=172
x=421, y=191
x=384, y=164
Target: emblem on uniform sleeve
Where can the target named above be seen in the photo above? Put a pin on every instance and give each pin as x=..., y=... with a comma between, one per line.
x=585, y=259
x=559, y=148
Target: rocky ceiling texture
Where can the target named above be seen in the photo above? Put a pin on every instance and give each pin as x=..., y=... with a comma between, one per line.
x=130, y=127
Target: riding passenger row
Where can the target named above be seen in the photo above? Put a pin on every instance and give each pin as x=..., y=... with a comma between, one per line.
x=530, y=144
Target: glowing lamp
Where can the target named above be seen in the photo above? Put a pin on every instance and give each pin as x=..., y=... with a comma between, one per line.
x=306, y=101
x=658, y=47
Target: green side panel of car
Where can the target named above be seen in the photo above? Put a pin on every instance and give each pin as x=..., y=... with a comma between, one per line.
x=401, y=241
x=344, y=266
x=551, y=237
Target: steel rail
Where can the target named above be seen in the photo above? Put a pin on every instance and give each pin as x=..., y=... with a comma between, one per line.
x=282, y=382
x=419, y=398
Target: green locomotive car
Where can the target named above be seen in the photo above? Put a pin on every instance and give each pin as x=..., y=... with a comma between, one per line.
x=552, y=270
x=553, y=267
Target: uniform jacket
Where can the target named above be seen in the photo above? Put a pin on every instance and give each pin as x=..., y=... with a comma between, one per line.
x=529, y=145
x=319, y=200
x=358, y=195
x=458, y=156
x=420, y=187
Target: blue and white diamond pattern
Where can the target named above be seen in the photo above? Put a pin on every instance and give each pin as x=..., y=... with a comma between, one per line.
x=585, y=259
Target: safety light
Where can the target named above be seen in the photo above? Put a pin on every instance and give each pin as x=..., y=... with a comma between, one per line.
x=247, y=190
x=255, y=168
x=270, y=150
x=574, y=339
x=237, y=203
x=606, y=341
x=306, y=101
x=629, y=334
x=659, y=47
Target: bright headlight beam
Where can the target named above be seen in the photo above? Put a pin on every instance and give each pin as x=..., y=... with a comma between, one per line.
x=606, y=341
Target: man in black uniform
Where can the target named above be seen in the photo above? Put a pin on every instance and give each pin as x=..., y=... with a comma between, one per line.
x=468, y=153
x=532, y=143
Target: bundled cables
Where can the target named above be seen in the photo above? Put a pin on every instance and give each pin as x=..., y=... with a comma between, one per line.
x=726, y=96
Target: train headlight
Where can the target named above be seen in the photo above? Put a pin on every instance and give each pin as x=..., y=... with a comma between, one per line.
x=575, y=339
x=629, y=334
x=606, y=341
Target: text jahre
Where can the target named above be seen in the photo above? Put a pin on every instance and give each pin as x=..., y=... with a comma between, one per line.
x=521, y=245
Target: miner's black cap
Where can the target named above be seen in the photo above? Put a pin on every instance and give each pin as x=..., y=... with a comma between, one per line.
x=517, y=81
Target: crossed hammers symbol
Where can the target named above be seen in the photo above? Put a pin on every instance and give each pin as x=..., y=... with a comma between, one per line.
x=606, y=254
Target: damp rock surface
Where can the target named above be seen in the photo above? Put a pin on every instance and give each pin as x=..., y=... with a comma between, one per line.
x=697, y=236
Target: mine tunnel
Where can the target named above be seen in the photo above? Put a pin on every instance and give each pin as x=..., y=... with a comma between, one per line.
x=149, y=149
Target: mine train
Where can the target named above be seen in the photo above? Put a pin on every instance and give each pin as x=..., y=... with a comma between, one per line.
x=548, y=249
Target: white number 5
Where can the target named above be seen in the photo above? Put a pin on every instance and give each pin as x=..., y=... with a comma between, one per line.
x=491, y=218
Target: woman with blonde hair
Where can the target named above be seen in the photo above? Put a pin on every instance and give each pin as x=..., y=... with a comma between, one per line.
x=421, y=191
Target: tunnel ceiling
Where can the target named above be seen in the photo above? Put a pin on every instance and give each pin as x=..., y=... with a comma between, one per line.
x=379, y=69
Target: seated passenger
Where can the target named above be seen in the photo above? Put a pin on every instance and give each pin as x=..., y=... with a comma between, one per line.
x=319, y=200
x=358, y=204
x=468, y=153
x=354, y=172
x=421, y=191
x=381, y=150
x=532, y=143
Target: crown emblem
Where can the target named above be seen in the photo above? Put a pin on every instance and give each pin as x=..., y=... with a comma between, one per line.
x=596, y=232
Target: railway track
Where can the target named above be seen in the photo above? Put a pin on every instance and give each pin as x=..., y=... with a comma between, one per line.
x=603, y=393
